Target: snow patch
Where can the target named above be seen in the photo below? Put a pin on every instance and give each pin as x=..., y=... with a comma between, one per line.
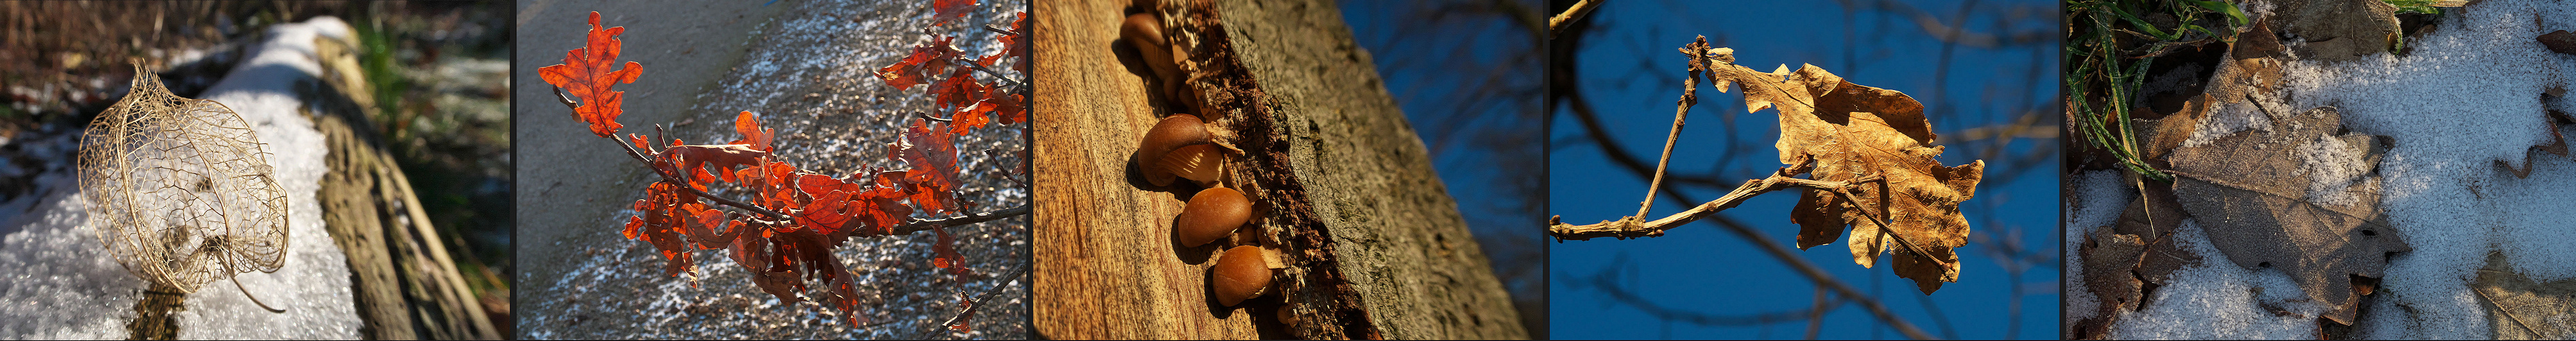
x=2535, y=240
x=2215, y=299
x=61, y=285
x=2099, y=198
x=2467, y=97
x=2331, y=166
x=2228, y=118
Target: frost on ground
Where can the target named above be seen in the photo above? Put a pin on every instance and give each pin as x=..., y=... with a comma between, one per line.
x=2465, y=111
x=2216, y=299
x=2467, y=98
x=61, y=285
x=2093, y=199
x=809, y=77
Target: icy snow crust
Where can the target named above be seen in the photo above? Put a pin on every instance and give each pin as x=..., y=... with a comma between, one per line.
x=60, y=285
x=2215, y=299
x=2465, y=99
x=2100, y=196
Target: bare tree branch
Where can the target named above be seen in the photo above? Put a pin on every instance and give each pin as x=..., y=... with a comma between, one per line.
x=1556, y=25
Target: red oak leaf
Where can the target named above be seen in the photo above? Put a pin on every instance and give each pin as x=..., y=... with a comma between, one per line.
x=752, y=134
x=934, y=162
x=1017, y=46
x=691, y=160
x=958, y=91
x=658, y=221
x=950, y=10
x=925, y=60
x=585, y=72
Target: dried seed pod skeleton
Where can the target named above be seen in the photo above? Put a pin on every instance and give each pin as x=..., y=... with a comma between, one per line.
x=180, y=190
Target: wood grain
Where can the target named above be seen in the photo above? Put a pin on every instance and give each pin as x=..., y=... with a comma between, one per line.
x=1106, y=266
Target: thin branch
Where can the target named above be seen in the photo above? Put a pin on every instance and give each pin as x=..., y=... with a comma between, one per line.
x=1007, y=80
x=776, y=216
x=673, y=178
x=1556, y=25
x=974, y=304
x=1634, y=227
x=1681, y=109
x=1816, y=319
x=926, y=225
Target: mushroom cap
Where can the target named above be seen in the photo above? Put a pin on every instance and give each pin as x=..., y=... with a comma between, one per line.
x=1174, y=132
x=1144, y=31
x=1212, y=214
x=1240, y=275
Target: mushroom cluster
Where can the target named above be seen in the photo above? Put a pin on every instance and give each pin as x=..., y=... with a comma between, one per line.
x=1186, y=146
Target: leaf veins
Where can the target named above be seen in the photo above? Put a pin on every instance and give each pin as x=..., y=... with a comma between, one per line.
x=585, y=72
x=1851, y=132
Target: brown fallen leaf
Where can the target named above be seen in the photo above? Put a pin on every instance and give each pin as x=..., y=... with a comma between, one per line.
x=2522, y=308
x=2296, y=198
x=2560, y=41
x=2337, y=30
x=1853, y=132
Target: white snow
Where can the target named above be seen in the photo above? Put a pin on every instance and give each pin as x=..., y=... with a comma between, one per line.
x=61, y=286
x=2215, y=299
x=2535, y=240
x=2228, y=118
x=2100, y=198
x=2467, y=97
x=2332, y=166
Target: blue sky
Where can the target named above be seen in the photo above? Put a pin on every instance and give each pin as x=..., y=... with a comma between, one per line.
x=1632, y=76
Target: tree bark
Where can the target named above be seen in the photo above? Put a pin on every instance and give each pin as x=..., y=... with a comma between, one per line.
x=1376, y=247
x=402, y=277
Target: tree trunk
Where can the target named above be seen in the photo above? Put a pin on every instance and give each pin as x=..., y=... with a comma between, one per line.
x=403, y=279
x=1375, y=247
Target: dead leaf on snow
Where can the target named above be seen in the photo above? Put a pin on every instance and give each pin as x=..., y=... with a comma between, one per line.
x=2521, y=308
x=2298, y=198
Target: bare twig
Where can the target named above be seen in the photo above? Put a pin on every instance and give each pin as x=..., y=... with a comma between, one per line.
x=775, y=216
x=1681, y=109
x=1556, y=25
x=1634, y=227
x=974, y=304
x=1007, y=80
x=926, y=225
x=1816, y=318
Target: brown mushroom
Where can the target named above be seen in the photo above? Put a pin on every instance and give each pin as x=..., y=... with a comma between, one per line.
x=1288, y=314
x=1240, y=275
x=1212, y=214
x=1146, y=33
x=1169, y=136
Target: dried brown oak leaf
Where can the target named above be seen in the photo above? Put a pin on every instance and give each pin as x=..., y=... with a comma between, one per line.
x=2297, y=197
x=1851, y=132
x=2338, y=30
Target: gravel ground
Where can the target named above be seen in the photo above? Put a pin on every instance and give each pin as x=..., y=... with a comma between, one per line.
x=806, y=73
